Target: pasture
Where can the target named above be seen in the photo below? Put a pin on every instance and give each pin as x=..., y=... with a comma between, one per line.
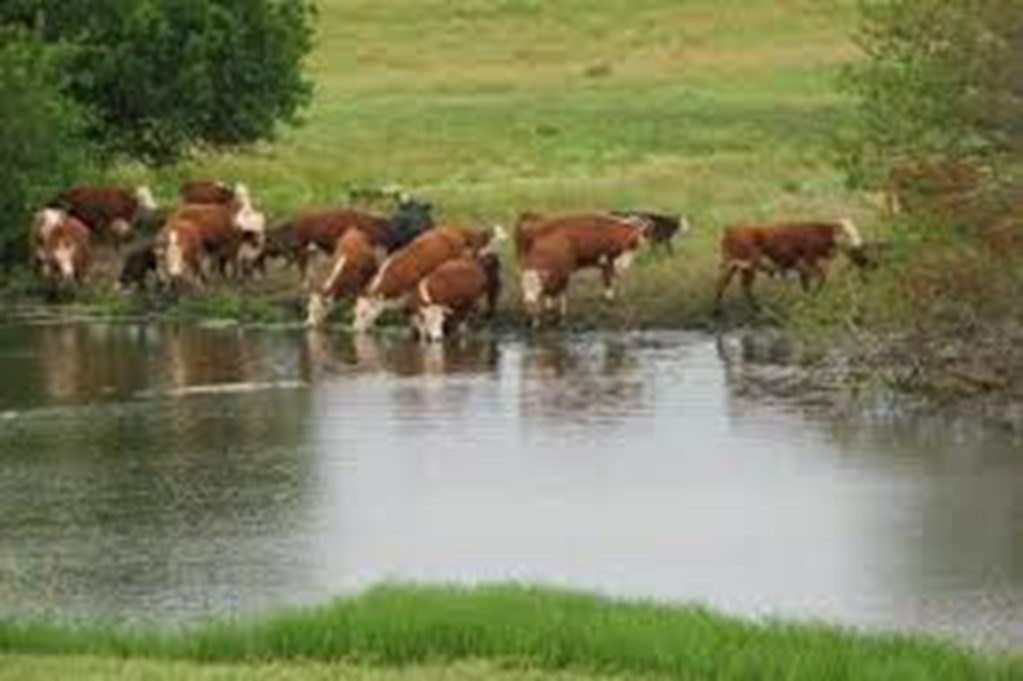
x=721, y=111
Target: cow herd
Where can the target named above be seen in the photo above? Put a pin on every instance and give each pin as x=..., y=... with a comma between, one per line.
x=436, y=274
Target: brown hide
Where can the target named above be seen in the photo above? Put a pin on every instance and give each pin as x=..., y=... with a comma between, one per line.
x=348, y=277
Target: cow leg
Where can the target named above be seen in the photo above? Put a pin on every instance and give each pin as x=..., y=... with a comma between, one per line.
x=607, y=272
x=749, y=275
x=728, y=270
x=805, y=271
x=562, y=307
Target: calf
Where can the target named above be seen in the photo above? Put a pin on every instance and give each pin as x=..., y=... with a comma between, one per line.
x=806, y=247
x=448, y=295
x=106, y=211
x=401, y=272
x=662, y=228
x=597, y=240
x=355, y=263
x=66, y=253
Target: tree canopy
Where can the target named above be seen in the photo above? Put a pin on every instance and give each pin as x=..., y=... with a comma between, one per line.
x=162, y=77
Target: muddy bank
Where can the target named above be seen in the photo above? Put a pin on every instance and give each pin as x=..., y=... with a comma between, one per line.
x=972, y=381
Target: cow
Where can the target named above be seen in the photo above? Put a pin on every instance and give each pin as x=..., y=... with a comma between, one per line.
x=598, y=240
x=140, y=260
x=662, y=227
x=320, y=230
x=223, y=234
x=402, y=271
x=65, y=254
x=355, y=263
x=206, y=191
x=806, y=247
x=447, y=296
x=106, y=211
x=180, y=250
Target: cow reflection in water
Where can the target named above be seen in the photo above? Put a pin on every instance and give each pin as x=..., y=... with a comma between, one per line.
x=203, y=357
x=582, y=380
x=80, y=362
x=326, y=354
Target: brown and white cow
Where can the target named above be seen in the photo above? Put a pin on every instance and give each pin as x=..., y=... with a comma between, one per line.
x=401, y=272
x=599, y=240
x=355, y=263
x=65, y=253
x=222, y=234
x=106, y=211
x=448, y=296
x=806, y=247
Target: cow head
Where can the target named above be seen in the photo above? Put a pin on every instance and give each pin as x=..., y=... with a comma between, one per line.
x=367, y=311
x=64, y=257
x=144, y=195
x=317, y=310
x=429, y=322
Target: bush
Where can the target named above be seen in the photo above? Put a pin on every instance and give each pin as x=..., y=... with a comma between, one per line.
x=42, y=136
x=941, y=78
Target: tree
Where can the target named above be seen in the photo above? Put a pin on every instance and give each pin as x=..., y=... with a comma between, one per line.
x=42, y=136
x=941, y=79
x=162, y=77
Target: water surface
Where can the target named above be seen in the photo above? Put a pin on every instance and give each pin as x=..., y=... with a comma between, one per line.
x=167, y=473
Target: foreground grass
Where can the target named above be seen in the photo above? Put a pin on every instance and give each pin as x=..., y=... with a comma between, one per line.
x=529, y=627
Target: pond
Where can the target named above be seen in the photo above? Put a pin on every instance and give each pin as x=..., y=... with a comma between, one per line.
x=166, y=473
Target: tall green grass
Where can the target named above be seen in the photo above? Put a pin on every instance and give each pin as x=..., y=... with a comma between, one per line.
x=540, y=628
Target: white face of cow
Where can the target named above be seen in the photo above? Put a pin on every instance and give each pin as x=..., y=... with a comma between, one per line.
x=64, y=257
x=430, y=322
x=144, y=196
x=318, y=309
x=47, y=219
x=684, y=226
x=248, y=219
x=367, y=311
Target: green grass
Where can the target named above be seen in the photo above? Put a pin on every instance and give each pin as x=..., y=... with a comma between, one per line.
x=722, y=110
x=533, y=628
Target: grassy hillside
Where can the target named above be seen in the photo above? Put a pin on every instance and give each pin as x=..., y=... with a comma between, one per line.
x=723, y=110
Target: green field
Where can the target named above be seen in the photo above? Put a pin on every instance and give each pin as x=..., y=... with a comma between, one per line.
x=722, y=110
x=493, y=632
